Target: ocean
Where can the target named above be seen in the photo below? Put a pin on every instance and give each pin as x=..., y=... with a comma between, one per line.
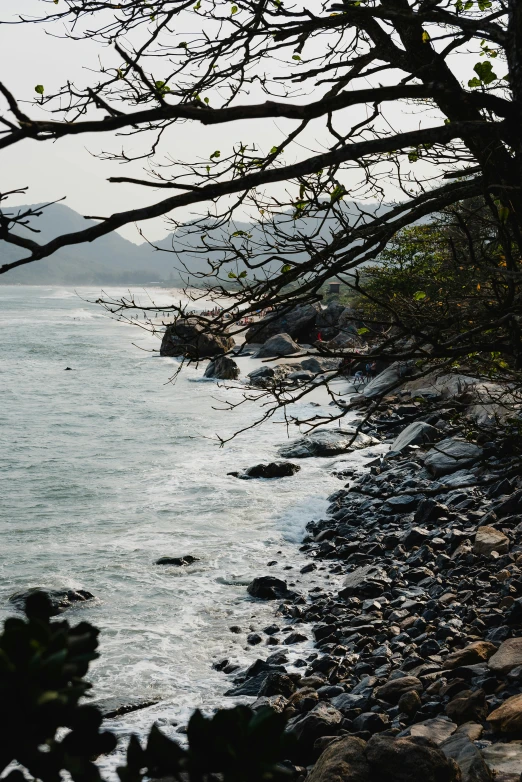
x=107, y=467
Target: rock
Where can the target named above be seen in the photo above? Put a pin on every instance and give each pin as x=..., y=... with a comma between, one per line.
x=387, y=379
x=408, y=759
x=367, y=580
x=267, y=588
x=410, y=702
x=468, y=706
x=438, y=729
x=295, y=638
x=327, y=442
x=504, y=760
x=415, y=433
x=317, y=365
x=489, y=539
x=476, y=652
x=395, y=688
x=279, y=345
x=508, y=656
x=451, y=455
x=473, y=730
x=371, y=722
x=186, y=337
x=322, y=720
x=277, y=703
x=342, y=761
x=222, y=368
x=252, y=686
x=297, y=323
x=117, y=707
x=272, y=470
x=508, y=717
x=278, y=684
x=188, y=559
x=253, y=639
x=60, y=599
x=468, y=758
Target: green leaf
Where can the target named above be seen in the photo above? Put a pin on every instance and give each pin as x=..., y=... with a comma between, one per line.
x=337, y=193
x=242, y=275
x=39, y=89
x=286, y=268
x=362, y=331
x=425, y=37
x=295, y=57
x=419, y=295
x=232, y=276
x=234, y=9
x=484, y=4
x=503, y=214
x=197, y=6
x=273, y=151
x=215, y=154
x=485, y=72
x=474, y=82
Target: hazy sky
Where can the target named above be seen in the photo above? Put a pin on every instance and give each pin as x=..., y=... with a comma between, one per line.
x=66, y=167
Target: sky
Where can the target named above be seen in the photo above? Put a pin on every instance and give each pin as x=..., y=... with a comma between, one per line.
x=53, y=170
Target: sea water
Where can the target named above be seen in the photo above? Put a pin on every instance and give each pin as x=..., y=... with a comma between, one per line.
x=106, y=468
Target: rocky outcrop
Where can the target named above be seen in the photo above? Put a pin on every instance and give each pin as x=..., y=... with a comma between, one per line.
x=451, y=455
x=267, y=588
x=389, y=378
x=327, y=442
x=296, y=322
x=278, y=345
x=222, y=368
x=190, y=339
x=269, y=471
x=60, y=599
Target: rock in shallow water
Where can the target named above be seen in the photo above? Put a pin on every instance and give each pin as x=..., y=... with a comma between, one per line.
x=222, y=368
x=267, y=588
x=188, y=559
x=188, y=338
x=60, y=599
x=271, y=470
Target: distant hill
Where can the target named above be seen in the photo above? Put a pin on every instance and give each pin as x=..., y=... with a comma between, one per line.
x=114, y=260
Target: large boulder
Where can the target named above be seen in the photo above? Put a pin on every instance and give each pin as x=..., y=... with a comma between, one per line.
x=327, y=442
x=271, y=470
x=467, y=706
x=342, y=761
x=278, y=345
x=318, y=364
x=60, y=599
x=190, y=339
x=267, y=588
x=472, y=654
x=451, y=455
x=387, y=379
x=407, y=759
x=489, y=539
x=438, y=729
x=365, y=581
x=322, y=720
x=393, y=690
x=508, y=717
x=504, y=761
x=508, y=656
x=297, y=322
x=416, y=433
x=468, y=758
x=222, y=368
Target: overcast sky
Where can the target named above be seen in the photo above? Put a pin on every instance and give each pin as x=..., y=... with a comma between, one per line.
x=66, y=167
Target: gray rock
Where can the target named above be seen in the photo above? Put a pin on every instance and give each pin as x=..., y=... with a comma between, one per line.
x=326, y=442
x=279, y=345
x=222, y=368
x=489, y=539
x=190, y=339
x=468, y=758
x=117, y=707
x=504, y=760
x=318, y=365
x=322, y=720
x=438, y=729
x=507, y=657
x=415, y=433
x=271, y=470
x=188, y=559
x=387, y=379
x=451, y=455
x=267, y=588
x=364, y=579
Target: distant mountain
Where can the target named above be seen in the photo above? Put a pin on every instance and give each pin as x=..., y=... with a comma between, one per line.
x=114, y=260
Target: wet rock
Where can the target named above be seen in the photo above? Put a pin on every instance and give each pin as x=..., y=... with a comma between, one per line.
x=253, y=639
x=371, y=722
x=416, y=433
x=395, y=688
x=188, y=338
x=188, y=559
x=342, y=761
x=407, y=759
x=322, y=720
x=489, y=539
x=468, y=706
x=222, y=368
x=277, y=683
x=438, y=729
x=508, y=717
x=504, y=761
x=410, y=702
x=271, y=470
x=508, y=656
x=295, y=638
x=468, y=758
x=304, y=699
x=476, y=652
x=60, y=599
x=387, y=379
x=451, y=455
x=278, y=345
x=267, y=588
x=117, y=707
x=326, y=442
x=277, y=703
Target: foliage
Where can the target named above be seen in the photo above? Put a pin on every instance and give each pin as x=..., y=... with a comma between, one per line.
x=47, y=730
